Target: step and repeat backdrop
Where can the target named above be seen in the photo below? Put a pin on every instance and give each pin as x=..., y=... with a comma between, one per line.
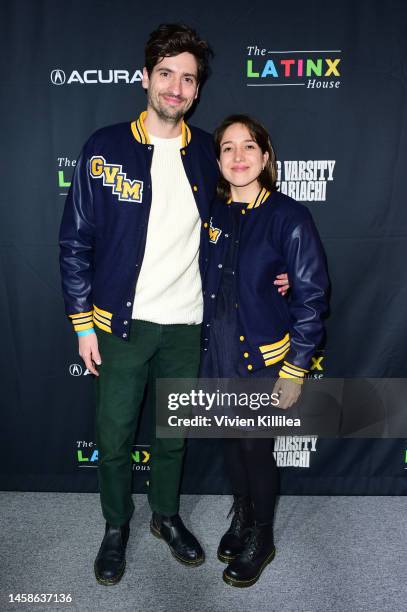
x=328, y=79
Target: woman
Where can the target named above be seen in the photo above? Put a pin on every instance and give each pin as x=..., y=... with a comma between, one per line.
x=255, y=234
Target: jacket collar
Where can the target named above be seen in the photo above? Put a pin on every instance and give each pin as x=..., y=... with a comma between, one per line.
x=258, y=200
x=141, y=135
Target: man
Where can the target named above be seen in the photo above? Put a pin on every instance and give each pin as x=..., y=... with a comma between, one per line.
x=135, y=216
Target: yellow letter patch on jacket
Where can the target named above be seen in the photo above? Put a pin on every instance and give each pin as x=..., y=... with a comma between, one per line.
x=125, y=189
x=214, y=233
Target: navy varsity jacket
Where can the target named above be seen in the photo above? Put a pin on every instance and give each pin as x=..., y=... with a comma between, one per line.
x=104, y=225
x=277, y=235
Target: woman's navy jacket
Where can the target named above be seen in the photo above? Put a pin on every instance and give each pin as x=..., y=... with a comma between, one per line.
x=277, y=234
x=104, y=225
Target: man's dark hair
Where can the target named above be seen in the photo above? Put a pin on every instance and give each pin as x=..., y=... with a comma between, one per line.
x=268, y=177
x=171, y=39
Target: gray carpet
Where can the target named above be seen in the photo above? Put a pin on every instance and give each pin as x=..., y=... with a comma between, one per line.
x=339, y=554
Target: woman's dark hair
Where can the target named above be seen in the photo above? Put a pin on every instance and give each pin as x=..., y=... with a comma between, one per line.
x=171, y=39
x=268, y=177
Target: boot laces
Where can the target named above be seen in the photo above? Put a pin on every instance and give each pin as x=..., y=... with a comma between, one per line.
x=239, y=519
x=253, y=544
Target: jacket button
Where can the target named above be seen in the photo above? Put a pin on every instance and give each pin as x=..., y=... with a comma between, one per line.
x=183, y=151
x=226, y=235
x=149, y=148
x=128, y=304
x=195, y=188
x=250, y=367
x=125, y=322
x=213, y=296
x=208, y=325
x=205, y=224
x=243, y=211
x=124, y=335
x=205, y=349
x=241, y=338
x=220, y=266
x=245, y=355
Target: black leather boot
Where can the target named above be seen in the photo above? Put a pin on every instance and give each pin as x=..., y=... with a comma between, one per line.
x=259, y=550
x=182, y=543
x=110, y=562
x=232, y=542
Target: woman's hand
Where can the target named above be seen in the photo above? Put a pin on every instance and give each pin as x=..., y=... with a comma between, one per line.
x=289, y=392
x=282, y=283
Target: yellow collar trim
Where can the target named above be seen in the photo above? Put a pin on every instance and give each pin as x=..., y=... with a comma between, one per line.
x=258, y=200
x=141, y=135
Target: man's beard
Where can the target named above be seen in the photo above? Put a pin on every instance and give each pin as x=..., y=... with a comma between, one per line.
x=166, y=114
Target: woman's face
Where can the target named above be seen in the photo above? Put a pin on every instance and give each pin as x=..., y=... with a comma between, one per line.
x=241, y=160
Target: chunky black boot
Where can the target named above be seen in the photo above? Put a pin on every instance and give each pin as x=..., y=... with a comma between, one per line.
x=182, y=543
x=259, y=550
x=232, y=542
x=110, y=562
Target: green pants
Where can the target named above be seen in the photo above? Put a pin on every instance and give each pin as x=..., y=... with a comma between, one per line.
x=153, y=351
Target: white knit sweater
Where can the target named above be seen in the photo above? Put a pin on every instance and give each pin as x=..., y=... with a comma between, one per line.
x=169, y=285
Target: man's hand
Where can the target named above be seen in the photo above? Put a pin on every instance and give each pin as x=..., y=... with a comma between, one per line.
x=282, y=283
x=289, y=392
x=89, y=351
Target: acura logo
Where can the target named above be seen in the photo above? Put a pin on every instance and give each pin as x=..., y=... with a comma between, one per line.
x=75, y=369
x=58, y=77
x=94, y=76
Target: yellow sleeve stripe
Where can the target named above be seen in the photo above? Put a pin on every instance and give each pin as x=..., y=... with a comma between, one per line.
x=79, y=315
x=85, y=320
x=265, y=348
x=276, y=358
x=98, y=319
x=83, y=326
x=103, y=313
x=279, y=357
x=79, y=320
x=102, y=326
x=283, y=374
x=291, y=373
x=278, y=352
x=294, y=367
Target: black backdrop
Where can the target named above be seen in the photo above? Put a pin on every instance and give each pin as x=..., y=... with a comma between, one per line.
x=328, y=79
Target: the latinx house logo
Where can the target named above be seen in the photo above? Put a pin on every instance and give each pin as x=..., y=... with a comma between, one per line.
x=87, y=456
x=311, y=69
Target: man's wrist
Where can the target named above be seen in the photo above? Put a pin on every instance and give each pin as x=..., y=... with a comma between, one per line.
x=86, y=332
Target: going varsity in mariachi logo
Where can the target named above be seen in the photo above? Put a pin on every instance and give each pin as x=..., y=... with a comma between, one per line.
x=294, y=451
x=312, y=69
x=306, y=180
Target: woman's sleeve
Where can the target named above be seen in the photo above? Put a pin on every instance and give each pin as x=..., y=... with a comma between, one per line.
x=308, y=301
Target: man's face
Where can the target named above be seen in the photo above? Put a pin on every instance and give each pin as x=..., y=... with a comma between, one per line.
x=172, y=86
